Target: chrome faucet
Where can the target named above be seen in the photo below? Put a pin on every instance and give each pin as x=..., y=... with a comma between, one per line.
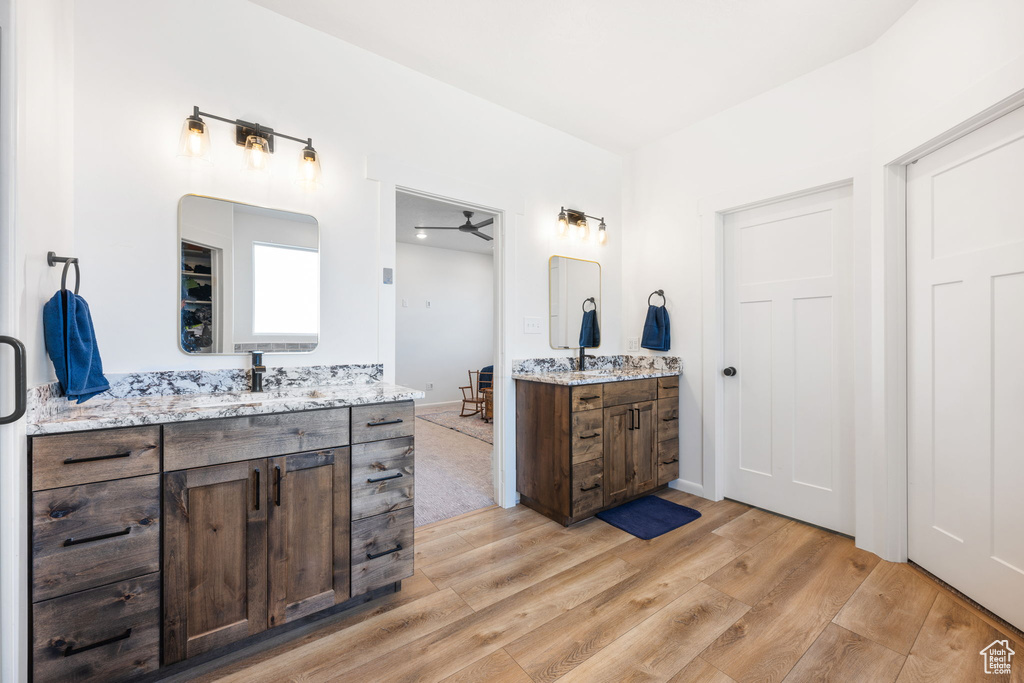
x=258, y=370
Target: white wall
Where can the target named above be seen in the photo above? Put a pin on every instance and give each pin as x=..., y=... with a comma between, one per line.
x=941, y=63
x=136, y=80
x=442, y=343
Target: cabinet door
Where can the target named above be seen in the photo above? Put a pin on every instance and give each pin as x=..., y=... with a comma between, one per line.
x=618, y=437
x=308, y=533
x=215, y=557
x=642, y=464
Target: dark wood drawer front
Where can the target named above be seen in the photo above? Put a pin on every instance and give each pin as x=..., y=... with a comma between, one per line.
x=588, y=487
x=383, y=477
x=668, y=387
x=215, y=442
x=630, y=391
x=668, y=419
x=72, y=459
x=382, y=550
x=587, y=435
x=111, y=633
x=668, y=461
x=588, y=397
x=382, y=421
x=94, y=534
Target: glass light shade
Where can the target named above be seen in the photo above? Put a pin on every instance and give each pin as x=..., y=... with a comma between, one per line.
x=257, y=155
x=309, y=169
x=563, y=224
x=195, y=140
x=582, y=229
x=602, y=234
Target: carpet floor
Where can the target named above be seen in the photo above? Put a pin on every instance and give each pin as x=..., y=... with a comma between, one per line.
x=471, y=424
x=453, y=470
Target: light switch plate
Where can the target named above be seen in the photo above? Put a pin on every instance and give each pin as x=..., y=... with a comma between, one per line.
x=430, y=386
x=405, y=303
x=428, y=303
x=633, y=343
x=531, y=325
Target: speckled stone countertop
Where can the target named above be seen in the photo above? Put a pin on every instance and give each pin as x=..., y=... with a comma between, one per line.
x=182, y=397
x=602, y=369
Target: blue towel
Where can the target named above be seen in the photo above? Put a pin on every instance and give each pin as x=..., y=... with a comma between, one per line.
x=71, y=345
x=590, y=333
x=656, y=330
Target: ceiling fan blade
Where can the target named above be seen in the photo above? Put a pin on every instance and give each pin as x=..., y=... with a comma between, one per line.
x=482, y=236
x=438, y=227
x=483, y=224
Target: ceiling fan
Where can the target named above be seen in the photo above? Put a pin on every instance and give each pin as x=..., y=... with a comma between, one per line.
x=468, y=226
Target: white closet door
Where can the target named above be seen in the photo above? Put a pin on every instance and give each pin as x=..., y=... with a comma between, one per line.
x=965, y=213
x=788, y=331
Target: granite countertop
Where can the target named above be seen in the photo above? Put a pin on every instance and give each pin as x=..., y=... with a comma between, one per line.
x=573, y=378
x=105, y=413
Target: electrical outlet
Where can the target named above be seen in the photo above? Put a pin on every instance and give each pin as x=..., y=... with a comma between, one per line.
x=531, y=325
x=405, y=303
x=428, y=303
x=634, y=343
x=430, y=386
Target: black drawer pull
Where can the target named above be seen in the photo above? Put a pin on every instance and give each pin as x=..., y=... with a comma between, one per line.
x=384, y=422
x=390, y=476
x=90, y=539
x=592, y=436
x=674, y=386
x=277, y=486
x=591, y=488
x=670, y=461
x=670, y=419
x=386, y=552
x=589, y=398
x=74, y=461
x=68, y=651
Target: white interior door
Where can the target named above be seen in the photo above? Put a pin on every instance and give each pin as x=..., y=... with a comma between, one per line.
x=788, y=410
x=965, y=245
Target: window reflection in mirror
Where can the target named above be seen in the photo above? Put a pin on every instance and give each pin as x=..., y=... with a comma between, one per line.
x=571, y=283
x=250, y=278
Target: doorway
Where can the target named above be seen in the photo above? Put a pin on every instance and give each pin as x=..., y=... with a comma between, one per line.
x=965, y=389
x=788, y=357
x=446, y=347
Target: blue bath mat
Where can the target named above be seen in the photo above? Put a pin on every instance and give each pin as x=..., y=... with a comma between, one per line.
x=649, y=517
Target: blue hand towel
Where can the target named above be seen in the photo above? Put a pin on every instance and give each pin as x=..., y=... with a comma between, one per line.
x=590, y=333
x=71, y=345
x=657, y=336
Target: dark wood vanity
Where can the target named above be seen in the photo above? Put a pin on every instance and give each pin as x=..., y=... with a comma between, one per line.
x=152, y=545
x=584, y=448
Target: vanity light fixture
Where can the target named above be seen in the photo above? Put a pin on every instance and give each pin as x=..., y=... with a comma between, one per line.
x=573, y=223
x=258, y=141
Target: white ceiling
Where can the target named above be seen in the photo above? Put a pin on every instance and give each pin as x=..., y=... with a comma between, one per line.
x=616, y=73
x=413, y=211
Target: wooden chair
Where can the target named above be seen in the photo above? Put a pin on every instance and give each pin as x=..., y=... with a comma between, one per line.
x=471, y=396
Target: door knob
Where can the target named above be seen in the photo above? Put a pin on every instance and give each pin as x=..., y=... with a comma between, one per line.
x=729, y=371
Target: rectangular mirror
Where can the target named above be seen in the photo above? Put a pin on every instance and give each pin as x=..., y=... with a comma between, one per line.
x=250, y=278
x=574, y=287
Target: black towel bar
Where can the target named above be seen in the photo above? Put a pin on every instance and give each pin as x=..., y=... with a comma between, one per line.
x=659, y=292
x=591, y=300
x=68, y=261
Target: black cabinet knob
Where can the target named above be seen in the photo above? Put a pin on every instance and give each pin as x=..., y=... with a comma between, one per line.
x=729, y=371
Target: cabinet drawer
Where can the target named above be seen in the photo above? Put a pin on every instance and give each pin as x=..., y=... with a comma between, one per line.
x=630, y=391
x=382, y=550
x=668, y=387
x=668, y=461
x=85, y=457
x=668, y=419
x=232, y=439
x=90, y=535
x=111, y=633
x=588, y=487
x=588, y=397
x=383, y=477
x=383, y=421
x=587, y=435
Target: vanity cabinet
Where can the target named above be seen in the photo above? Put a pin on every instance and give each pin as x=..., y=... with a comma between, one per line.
x=152, y=545
x=585, y=448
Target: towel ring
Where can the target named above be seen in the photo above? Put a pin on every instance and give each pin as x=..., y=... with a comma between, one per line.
x=659, y=292
x=68, y=261
x=591, y=300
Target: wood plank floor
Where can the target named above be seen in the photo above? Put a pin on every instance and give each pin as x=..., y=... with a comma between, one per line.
x=737, y=595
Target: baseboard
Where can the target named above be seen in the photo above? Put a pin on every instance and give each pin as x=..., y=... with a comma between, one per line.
x=687, y=487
